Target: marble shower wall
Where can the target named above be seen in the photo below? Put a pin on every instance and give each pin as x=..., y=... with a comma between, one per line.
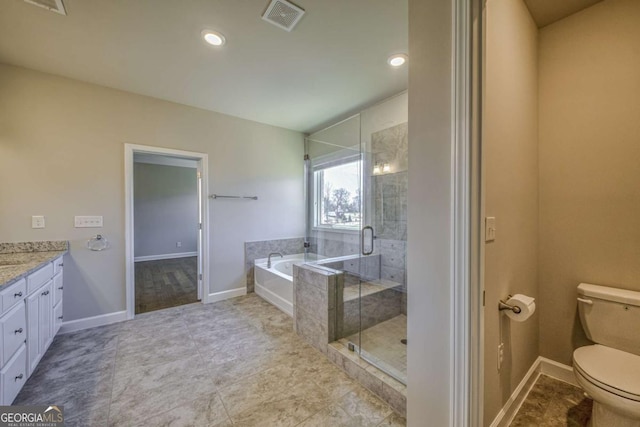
x=390, y=203
x=314, y=308
x=262, y=249
x=390, y=146
x=334, y=243
x=363, y=308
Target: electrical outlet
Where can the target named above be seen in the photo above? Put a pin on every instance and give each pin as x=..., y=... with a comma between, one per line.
x=178, y=244
x=37, y=221
x=500, y=355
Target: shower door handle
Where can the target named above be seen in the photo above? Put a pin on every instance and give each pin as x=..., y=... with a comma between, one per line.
x=362, y=236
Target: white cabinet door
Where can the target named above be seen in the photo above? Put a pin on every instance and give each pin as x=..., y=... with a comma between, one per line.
x=45, y=317
x=57, y=318
x=33, y=332
x=58, y=287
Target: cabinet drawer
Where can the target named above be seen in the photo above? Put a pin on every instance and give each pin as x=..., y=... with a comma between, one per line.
x=58, y=288
x=40, y=277
x=57, y=265
x=13, y=295
x=57, y=318
x=14, y=332
x=13, y=376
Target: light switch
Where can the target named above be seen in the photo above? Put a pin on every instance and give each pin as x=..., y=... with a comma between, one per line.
x=37, y=221
x=88, y=221
x=490, y=229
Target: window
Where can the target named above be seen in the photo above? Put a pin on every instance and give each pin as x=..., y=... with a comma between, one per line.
x=337, y=195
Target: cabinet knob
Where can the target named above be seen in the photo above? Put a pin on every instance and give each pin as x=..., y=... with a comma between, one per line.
x=61, y=264
x=45, y=293
x=19, y=377
x=17, y=331
x=60, y=317
x=17, y=294
x=61, y=287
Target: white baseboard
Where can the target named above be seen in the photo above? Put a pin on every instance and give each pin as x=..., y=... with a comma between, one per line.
x=223, y=295
x=120, y=316
x=92, y=322
x=511, y=407
x=165, y=256
x=542, y=365
x=557, y=370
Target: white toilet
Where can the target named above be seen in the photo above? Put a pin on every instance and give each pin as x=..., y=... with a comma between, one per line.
x=609, y=371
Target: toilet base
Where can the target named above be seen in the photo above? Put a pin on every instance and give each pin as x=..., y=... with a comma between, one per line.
x=602, y=416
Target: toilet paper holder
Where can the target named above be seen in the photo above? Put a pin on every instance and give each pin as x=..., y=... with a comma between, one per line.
x=504, y=306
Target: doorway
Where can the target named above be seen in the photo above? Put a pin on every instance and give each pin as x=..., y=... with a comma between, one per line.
x=166, y=221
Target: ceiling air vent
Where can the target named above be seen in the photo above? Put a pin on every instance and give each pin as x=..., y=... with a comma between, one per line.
x=282, y=14
x=53, y=5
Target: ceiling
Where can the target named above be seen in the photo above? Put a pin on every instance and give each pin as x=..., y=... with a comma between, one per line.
x=545, y=12
x=333, y=63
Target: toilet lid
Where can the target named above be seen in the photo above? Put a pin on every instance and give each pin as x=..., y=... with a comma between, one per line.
x=614, y=370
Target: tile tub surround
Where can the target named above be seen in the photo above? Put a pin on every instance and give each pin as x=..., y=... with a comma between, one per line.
x=314, y=303
x=232, y=362
x=262, y=249
x=18, y=260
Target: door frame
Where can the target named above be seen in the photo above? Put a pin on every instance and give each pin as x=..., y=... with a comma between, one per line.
x=202, y=160
x=467, y=290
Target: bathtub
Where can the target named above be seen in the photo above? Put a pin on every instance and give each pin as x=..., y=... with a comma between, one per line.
x=275, y=284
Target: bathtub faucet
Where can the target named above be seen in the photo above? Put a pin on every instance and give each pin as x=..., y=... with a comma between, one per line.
x=269, y=259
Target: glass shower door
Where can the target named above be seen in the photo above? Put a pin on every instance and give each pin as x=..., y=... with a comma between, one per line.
x=333, y=174
x=383, y=281
x=356, y=192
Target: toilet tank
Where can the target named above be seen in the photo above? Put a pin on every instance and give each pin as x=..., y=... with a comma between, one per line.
x=610, y=316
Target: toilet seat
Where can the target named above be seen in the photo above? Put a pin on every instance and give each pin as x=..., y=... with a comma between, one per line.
x=615, y=371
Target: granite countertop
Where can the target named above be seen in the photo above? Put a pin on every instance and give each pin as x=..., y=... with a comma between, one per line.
x=18, y=260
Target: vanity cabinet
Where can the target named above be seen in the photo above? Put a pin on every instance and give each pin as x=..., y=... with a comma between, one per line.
x=57, y=289
x=30, y=317
x=40, y=324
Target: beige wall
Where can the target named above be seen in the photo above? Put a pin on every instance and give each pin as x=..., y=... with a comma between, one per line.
x=589, y=163
x=429, y=355
x=62, y=154
x=511, y=193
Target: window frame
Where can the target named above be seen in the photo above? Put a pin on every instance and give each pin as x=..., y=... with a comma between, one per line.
x=320, y=165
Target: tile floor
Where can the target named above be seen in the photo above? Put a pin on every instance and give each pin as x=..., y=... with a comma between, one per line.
x=553, y=403
x=236, y=362
x=382, y=344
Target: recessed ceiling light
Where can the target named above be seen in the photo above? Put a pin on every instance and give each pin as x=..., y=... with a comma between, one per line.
x=213, y=38
x=397, y=60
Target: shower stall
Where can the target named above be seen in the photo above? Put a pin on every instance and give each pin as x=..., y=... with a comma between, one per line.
x=356, y=198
